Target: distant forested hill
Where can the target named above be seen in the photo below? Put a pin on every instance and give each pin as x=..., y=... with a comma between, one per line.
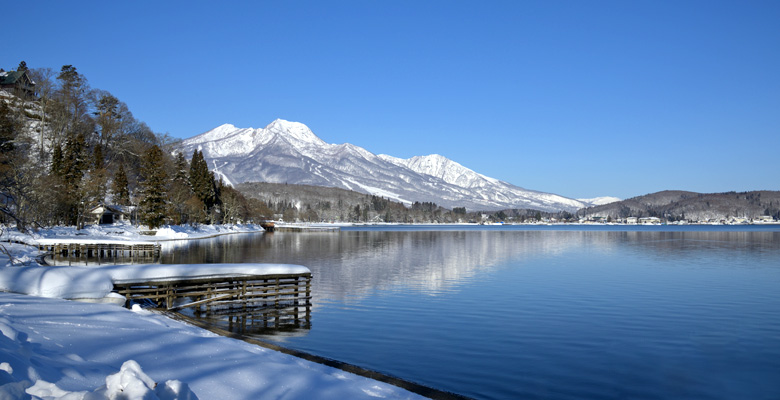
x=678, y=205
x=318, y=203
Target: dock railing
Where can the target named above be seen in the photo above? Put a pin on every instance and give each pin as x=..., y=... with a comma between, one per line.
x=72, y=253
x=255, y=301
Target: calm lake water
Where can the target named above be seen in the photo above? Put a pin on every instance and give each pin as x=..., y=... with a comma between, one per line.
x=544, y=313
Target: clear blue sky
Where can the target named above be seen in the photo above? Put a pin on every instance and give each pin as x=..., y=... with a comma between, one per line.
x=578, y=98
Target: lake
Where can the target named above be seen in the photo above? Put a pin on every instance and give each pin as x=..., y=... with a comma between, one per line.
x=537, y=312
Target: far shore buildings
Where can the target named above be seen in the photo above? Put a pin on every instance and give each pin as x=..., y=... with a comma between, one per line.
x=764, y=219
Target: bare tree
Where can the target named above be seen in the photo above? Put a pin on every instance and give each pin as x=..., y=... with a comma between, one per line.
x=44, y=90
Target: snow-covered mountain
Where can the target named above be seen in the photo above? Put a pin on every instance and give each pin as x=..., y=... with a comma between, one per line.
x=599, y=201
x=288, y=152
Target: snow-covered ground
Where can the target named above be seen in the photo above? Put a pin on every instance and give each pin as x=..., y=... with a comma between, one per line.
x=51, y=348
x=95, y=283
x=80, y=347
x=126, y=233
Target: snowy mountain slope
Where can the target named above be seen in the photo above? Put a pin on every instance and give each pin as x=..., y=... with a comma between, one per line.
x=288, y=152
x=599, y=201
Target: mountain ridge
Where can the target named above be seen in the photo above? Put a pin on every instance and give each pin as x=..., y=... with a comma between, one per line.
x=685, y=205
x=289, y=152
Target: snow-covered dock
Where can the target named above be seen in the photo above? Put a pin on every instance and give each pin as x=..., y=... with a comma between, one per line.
x=56, y=349
x=242, y=286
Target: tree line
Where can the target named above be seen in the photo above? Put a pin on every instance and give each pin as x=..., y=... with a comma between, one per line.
x=66, y=148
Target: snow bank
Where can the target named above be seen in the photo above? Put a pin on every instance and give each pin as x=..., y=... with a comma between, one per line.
x=163, y=272
x=171, y=233
x=125, y=233
x=129, y=383
x=56, y=282
x=21, y=255
x=98, y=282
x=51, y=348
x=25, y=371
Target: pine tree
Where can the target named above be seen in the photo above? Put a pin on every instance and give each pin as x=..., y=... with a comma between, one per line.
x=74, y=162
x=152, y=207
x=97, y=157
x=202, y=181
x=69, y=77
x=72, y=169
x=71, y=114
x=180, y=194
x=107, y=118
x=8, y=133
x=56, y=160
x=120, y=187
x=199, y=175
x=181, y=169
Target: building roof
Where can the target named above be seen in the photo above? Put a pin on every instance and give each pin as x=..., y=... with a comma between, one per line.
x=14, y=77
x=115, y=209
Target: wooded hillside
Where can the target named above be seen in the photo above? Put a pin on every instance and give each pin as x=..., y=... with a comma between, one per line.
x=66, y=148
x=680, y=205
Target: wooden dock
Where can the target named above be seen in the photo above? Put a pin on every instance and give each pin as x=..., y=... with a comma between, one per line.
x=246, y=303
x=214, y=293
x=101, y=253
x=110, y=249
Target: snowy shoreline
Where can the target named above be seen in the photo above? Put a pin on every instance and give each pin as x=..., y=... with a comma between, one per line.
x=79, y=347
x=126, y=233
x=51, y=348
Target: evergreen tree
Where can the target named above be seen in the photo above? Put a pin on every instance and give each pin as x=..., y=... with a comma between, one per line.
x=8, y=132
x=70, y=114
x=202, y=183
x=107, y=117
x=181, y=169
x=97, y=157
x=56, y=160
x=7, y=136
x=69, y=77
x=120, y=187
x=184, y=206
x=199, y=176
x=152, y=207
x=74, y=162
x=70, y=171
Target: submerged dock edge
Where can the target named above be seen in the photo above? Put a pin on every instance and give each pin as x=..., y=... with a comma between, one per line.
x=413, y=387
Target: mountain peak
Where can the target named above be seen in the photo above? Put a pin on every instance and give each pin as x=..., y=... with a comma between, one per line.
x=284, y=124
x=217, y=133
x=289, y=152
x=294, y=131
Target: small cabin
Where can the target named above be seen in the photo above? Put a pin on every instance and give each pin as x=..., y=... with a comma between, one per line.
x=104, y=214
x=18, y=82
